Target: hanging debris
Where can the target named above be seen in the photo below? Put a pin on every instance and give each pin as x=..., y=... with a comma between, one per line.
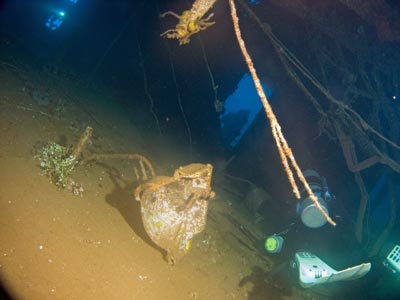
x=174, y=209
x=190, y=22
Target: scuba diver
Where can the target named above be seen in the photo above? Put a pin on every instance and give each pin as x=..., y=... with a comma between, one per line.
x=56, y=19
x=306, y=235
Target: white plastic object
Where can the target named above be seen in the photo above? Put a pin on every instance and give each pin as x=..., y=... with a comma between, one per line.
x=312, y=270
x=394, y=258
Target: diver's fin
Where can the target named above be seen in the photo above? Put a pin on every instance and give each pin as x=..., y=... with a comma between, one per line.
x=350, y=273
x=312, y=270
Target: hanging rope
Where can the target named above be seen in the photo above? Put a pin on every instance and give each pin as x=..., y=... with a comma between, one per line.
x=285, y=54
x=285, y=153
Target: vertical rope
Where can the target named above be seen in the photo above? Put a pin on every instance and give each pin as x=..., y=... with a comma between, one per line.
x=285, y=152
x=146, y=85
x=210, y=74
x=178, y=94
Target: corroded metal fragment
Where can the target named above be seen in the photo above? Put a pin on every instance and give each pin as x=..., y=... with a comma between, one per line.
x=174, y=209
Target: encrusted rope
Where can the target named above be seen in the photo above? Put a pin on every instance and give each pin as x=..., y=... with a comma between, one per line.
x=285, y=152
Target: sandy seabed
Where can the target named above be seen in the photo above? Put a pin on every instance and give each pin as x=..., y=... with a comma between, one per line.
x=54, y=245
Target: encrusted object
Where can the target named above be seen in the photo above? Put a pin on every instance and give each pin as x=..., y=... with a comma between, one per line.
x=174, y=209
x=56, y=162
x=190, y=22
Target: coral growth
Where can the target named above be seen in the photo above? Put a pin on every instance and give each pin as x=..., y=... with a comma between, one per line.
x=57, y=163
x=190, y=22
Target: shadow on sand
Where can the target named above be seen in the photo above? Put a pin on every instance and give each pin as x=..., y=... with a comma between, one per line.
x=262, y=288
x=122, y=199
